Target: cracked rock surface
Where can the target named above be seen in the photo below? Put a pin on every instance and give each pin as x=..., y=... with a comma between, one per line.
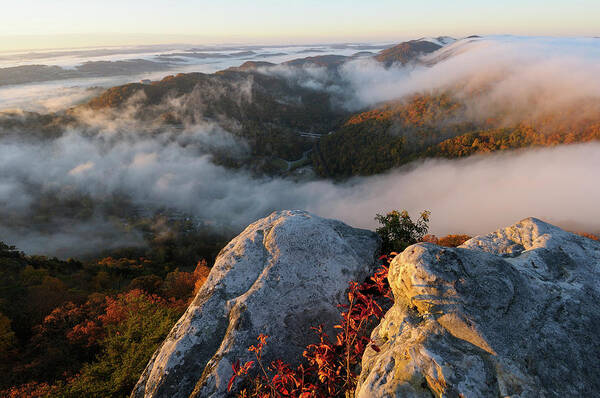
x=281, y=275
x=515, y=313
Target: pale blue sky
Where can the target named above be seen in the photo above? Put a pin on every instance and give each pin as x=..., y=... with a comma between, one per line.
x=60, y=23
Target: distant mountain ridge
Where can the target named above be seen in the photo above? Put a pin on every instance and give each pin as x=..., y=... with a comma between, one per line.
x=407, y=52
x=403, y=53
x=41, y=73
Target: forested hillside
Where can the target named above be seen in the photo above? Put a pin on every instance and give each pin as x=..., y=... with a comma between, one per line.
x=438, y=125
x=267, y=111
x=86, y=328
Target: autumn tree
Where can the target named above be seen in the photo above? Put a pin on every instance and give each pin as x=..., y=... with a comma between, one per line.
x=134, y=324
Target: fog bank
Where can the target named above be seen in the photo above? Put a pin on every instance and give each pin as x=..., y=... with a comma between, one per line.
x=473, y=196
x=480, y=194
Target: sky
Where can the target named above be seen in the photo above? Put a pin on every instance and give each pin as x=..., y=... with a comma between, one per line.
x=39, y=24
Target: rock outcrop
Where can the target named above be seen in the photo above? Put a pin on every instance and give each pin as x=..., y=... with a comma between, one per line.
x=281, y=275
x=515, y=313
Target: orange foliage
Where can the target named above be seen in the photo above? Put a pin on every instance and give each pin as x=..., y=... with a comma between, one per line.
x=441, y=125
x=418, y=111
x=182, y=285
x=447, y=241
x=201, y=274
x=88, y=331
x=587, y=235
x=123, y=264
x=453, y=240
x=430, y=238
x=124, y=305
x=31, y=390
x=521, y=136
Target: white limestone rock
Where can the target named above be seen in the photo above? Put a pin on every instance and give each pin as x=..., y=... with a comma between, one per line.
x=283, y=274
x=515, y=313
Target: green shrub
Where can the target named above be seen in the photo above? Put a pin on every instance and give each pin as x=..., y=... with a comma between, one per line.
x=398, y=230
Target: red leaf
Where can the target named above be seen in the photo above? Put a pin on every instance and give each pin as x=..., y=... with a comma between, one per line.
x=236, y=366
x=230, y=384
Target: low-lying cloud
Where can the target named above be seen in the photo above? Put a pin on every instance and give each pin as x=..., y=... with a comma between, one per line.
x=513, y=77
x=473, y=196
x=482, y=193
x=518, y=78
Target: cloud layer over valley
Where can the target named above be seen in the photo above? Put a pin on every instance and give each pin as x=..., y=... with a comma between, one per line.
x=510, y=78
x=471, y=196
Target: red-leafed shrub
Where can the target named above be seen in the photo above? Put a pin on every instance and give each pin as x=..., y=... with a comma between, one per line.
x=331, y=365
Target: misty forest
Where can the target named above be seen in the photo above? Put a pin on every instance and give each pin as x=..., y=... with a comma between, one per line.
x=125, y=173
